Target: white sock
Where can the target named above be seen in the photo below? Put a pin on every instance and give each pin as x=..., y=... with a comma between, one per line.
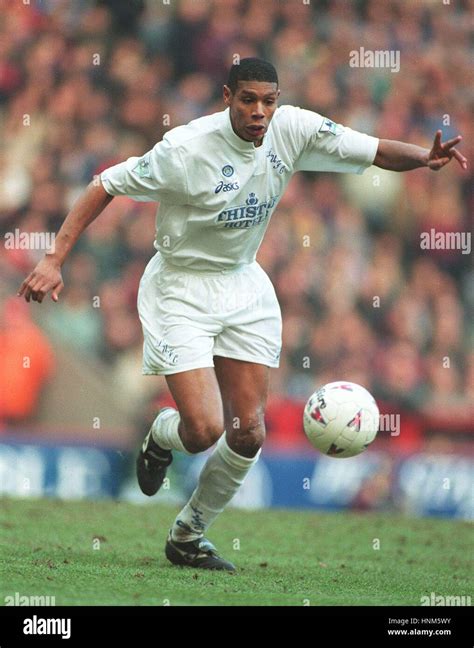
x=221, y=477
x=165, y=430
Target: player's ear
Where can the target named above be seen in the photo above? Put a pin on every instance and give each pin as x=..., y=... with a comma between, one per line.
x=227, y=94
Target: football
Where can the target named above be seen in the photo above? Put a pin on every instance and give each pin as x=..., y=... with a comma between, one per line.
x=341, y=419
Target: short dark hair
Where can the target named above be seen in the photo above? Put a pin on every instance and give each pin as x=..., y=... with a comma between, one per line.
x=251, y=69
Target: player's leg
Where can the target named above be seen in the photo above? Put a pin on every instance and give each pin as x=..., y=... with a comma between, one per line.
x=244, y=389
x=200, y=421
x=178, y=343
x=194, y=427
x=197, y=425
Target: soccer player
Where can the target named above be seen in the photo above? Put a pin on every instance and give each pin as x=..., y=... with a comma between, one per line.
x=211, y=320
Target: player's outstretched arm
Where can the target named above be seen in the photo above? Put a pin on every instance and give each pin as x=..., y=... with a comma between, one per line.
x=399, y=156
x=47, y=274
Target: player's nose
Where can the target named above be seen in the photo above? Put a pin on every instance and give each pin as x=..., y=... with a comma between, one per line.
x=258, y=112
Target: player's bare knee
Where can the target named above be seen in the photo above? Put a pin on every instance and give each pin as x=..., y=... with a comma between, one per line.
x=247, y=440
x=199, y=436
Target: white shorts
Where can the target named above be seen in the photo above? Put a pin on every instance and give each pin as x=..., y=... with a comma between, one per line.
x=188, y=317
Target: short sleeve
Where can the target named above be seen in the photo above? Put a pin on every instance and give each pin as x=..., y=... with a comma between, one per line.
x=158, y=175
x=333, y=147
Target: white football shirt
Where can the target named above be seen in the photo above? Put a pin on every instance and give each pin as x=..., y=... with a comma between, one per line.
x=217, y=192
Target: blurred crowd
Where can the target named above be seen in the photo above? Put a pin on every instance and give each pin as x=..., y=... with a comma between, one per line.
x=84, y=85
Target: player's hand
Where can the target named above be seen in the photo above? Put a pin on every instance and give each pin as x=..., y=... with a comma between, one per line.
x=442, y=153
x=45, y=277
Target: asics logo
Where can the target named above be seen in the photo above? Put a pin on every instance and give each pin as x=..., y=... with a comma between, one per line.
x=226, y=186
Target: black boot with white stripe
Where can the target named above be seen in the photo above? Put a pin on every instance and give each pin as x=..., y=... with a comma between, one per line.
x=198, y=553
x=152, y=464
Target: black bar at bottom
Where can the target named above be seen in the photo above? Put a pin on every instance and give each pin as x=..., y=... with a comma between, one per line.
x=316, y=626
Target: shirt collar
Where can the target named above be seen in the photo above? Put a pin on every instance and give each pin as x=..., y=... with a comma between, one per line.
x=231, y=137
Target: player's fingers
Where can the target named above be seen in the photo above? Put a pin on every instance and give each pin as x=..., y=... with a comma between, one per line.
x=40, y=287
x=437, y=139
x=31, y=286
x=28, y=286
x=436, y=165
x=37, y=289
x=56, y=291
x=21, y=289
x=443, y=162
x=460, y=158
x=42, y=290
x=452, y=142
x=41, y=295
x=24, y=285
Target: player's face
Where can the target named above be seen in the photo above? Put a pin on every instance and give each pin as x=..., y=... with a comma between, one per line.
x=251, y=108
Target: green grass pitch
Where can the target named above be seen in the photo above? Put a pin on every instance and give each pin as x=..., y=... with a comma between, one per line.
x=109, y=553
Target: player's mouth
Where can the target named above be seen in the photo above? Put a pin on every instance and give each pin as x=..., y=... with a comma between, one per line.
x=256, y=131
